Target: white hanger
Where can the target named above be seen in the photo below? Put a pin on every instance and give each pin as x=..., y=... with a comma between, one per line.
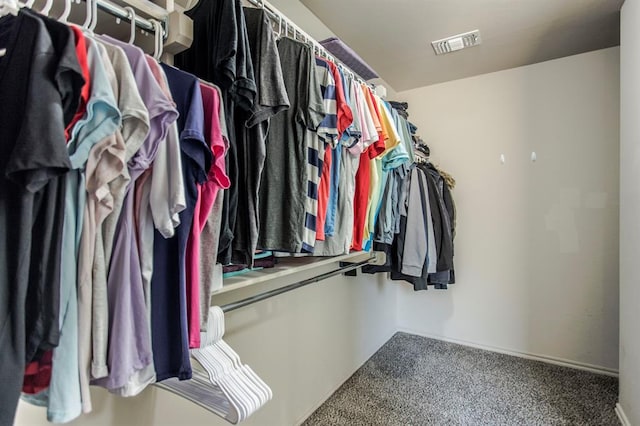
x=89, y=15
x=66, y=12
x=9, y=7
x=279, y=26
x=94, y=15
x=132, y=17
x=244, y=391
x=47, y=7
x=159, y=40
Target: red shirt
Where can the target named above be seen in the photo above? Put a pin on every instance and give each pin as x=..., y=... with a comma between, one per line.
x=207, y=192
x=343, y=111
x=363, y=177
x=81, y=52
x=345, y=118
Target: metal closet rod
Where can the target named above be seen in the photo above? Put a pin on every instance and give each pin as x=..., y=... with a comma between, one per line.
x=269, y=294
x=276, y=14
x=120, y=12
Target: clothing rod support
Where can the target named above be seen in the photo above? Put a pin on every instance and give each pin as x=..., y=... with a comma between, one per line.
x=278, y=291
x=121, y=13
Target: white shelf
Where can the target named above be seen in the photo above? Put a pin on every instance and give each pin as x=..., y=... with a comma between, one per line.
x=287, y=267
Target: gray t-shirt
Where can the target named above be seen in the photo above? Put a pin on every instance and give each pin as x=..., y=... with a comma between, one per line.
x=283, y=187
x=271, y=98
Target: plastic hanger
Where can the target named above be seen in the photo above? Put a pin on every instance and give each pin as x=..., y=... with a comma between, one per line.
x=249, y=386
x=94, y=15
x=9, y=7
x=246, y=391
x=66, y=11
x=132, y=17
x=223, y=384
x=226, y=384
x=221, y=369
x=159, y=39
x=279, y=26
x=47, y=8
x=89, y=15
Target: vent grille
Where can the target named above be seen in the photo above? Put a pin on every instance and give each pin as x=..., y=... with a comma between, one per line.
x=456, y=42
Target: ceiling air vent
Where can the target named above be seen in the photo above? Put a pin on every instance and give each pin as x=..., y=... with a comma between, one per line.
x=456, y=42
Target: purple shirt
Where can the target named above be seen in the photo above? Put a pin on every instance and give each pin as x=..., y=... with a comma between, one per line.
x=130, y=349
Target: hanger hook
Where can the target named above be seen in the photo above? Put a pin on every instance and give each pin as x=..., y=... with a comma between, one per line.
x=66, y=12
x=47, y=7
x=279, y=26
x=159, y=39
x=94, y=15
x=132, y=17
x=87, y=20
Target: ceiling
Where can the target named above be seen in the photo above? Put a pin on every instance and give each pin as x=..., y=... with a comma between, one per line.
x=394, y=36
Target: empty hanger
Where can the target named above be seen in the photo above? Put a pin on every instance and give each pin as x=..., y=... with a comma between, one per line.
x=226, y=386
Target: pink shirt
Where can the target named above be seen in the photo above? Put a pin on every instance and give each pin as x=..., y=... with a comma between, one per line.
x=217, y=179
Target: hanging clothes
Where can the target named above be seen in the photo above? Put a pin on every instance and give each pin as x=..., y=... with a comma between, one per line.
x=252, y=127
x=101, y=120
x=33, y=162
x=169, y=319
x=284, y=179
x=220, y=54
x=129, y=345
x=218, y=181
x=150, y=184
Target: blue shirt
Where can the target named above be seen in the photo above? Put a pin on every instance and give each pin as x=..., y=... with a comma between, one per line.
x=169, y=327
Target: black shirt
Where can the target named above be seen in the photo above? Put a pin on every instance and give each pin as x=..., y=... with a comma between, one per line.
x=43, y=307
x=220, y=54
x=33, y=154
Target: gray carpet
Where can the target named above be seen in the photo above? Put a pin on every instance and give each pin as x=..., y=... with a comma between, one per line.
x=413, y=380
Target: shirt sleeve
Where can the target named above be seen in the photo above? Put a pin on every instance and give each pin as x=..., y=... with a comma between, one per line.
x=315, y=110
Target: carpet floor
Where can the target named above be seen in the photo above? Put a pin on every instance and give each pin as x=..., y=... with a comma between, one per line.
x=414, y=380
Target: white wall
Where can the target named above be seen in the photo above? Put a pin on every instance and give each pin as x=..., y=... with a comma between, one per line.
x=630, y=211
x=304, y=344
x=537, y=243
